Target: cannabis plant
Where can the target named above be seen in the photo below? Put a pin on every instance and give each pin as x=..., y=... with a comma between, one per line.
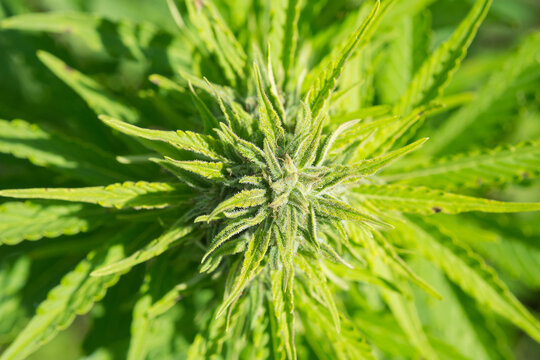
x=271, y=179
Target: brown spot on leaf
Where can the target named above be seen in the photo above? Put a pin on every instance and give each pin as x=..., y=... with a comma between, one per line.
x=68, y=68
x=525, y=175
x=436, y=209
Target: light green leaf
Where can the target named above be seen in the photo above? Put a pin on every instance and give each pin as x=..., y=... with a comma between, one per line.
x=218, y=38
x=501, y=165
x=284, y=313
x=242, y=199
x=403, y=307
x=270, y=123
x=472, y=274
x=185, y=140
x=320, y=94
x=290, y=37
x=245, y=149
x=75, y=295
x=350, y=174
x=178, y=231
x=208, y=170
x=139, y=195
x=253, y=256
x=314, y=272
x=423, y=200
x=429, y=82
x=501, y=80
x=332, y=208
x=33, y=221
x=234, y=227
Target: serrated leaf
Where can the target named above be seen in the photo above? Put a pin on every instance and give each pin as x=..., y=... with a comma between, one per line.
x=245, y=149
x=315, y=274
x=352, y=173
x=75, y=295
x=423, y=200
x=33, y=221
x=184, y=140
x=218, y=38
x=253, y=256
x=488, y=168
x=385, y=137
x=242, y=199
x=328, y=207
x=178, y=231
x=404, y=311
x=234, y=227
x=270, y=123
x=472, y=274
x=501, y=80
x=208, y=170
x=282, y=311
x=320, y=95
x=429, y=82
x=139, y=195
x=326, y=145
x=75, y=158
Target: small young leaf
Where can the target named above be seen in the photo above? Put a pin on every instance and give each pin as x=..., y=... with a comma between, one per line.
x=243, y=199
x=234, y=227
x=254, y=254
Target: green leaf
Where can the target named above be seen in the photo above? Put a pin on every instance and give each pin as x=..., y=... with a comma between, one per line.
x=330, y=139
x=93, y=93
x=208, y=170
x=33, y=221
x=385, y=137
x=245, y=149
x=314, y=273
x=123, y=39
x=171, y=237
x=284, y=34
x=498, y=166
x=243, y=199
x=332, y=208
x=184, y=140
x=284, y=313
x=75, y=295
x=270, y=123
x=353, y=173
x=218, y=38
x=253, y=256
x=429, y=82
x=139, y=195
x=423, y=200
x=320, y=94
x=234, y=227
x=501, y=81
x=75, y=158
x=404, y=311
x=472, y=274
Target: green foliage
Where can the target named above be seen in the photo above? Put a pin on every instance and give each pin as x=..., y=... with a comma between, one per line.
x=268, y=180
